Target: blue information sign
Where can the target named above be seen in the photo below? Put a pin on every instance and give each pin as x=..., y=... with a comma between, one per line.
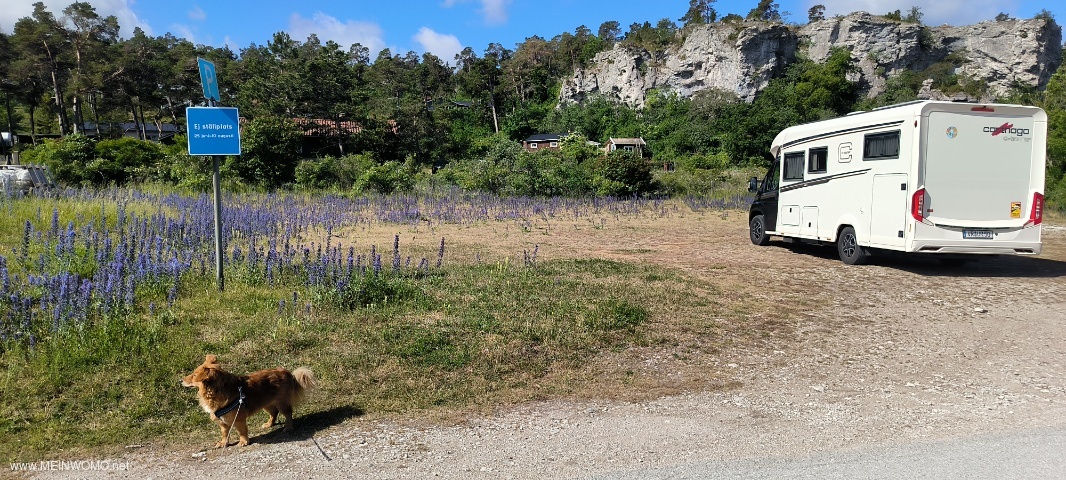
x=213, y=131
x=208, y=79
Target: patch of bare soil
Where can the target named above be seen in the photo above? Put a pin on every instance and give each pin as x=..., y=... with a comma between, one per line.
x=888, y=353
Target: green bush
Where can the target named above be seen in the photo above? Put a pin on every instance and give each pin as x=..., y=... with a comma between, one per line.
x=389, y=177
x=548, y=173
x=488, y=173
x=270, y=151
x=686, y=182
x=68, y=158
x=127, y=159
x=623, y=173
x=330, y=172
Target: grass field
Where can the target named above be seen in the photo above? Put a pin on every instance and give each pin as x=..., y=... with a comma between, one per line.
x=403, y=306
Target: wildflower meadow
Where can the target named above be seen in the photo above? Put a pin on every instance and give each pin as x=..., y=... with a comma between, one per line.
x=107, y=296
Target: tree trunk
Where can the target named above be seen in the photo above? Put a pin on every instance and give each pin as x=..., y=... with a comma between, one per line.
x=64, y=127
x=136, y=121
x=79, y=126
x=10, y=130
x=10, y=123
x=53, y=65
x=79, y=123
x=96, y=115
x=495, y=121
x=33, y=125
x=144, y=124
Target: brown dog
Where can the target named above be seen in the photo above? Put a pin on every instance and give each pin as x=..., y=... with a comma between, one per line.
x=230, y=399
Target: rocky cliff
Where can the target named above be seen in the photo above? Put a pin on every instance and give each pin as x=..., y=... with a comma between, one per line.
x=742, y=57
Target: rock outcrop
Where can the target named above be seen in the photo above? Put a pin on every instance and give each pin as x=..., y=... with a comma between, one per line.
x=743, y=57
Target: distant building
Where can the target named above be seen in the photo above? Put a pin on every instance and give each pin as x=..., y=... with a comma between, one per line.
x=149, y=131
x=636, y=145
x=542, y=141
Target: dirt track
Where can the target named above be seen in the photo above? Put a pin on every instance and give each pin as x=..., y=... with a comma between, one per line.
x=905, y=350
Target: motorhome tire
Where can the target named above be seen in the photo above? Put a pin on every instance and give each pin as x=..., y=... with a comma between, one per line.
x=757, y=229
x=848, y=248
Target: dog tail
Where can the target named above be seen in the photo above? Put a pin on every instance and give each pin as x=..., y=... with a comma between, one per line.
x=305, y=378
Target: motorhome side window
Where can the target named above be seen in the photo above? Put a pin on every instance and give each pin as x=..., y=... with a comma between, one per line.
x=879, y=146
x=770, y=182
x=819, y=158
x=793, y=167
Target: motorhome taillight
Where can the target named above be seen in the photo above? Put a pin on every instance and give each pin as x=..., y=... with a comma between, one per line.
x=918, y=205
x=1036, y=215
x=983, y=108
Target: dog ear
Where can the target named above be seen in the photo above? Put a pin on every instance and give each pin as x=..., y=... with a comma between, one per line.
x=208, y=377
x=211, y=360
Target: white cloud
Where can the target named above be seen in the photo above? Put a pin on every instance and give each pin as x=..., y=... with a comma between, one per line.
x=197, y=14
x=494, y=12
x=933, y=12
x=12, y=11
x=368, y=34
x=184, y=31
x=232, y=44
x=443, y=46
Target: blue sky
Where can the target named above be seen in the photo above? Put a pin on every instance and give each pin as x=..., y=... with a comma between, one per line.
x=445, y=27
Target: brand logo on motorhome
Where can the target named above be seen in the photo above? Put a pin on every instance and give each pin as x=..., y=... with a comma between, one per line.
x=1007, y=128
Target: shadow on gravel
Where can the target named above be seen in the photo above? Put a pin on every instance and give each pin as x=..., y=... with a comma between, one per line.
x=932, y=265
x=308, y=425
x=1001, y=266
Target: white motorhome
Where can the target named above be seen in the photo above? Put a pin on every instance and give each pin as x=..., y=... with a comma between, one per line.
x=926, y=176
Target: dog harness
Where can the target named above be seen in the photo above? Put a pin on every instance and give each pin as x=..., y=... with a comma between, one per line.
x=235, y=404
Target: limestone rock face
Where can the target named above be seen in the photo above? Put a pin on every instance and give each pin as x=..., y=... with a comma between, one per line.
x=743, y=57
x=739, y=60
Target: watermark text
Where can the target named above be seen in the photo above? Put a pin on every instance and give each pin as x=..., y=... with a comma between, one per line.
x=71, y=465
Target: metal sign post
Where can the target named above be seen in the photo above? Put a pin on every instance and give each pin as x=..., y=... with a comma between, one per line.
x=213, y=131
x=216, y=183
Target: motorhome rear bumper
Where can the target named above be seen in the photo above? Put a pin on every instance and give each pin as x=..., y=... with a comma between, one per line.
x=996, y=248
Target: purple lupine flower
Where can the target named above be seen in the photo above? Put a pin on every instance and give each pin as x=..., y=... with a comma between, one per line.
x=53, y=232
x=396, y=254
x=26, y=240
x=71, y=236
x=440, y=253
x=129, y=292
x=86, y=292
x=57, y=311
x=5, y=277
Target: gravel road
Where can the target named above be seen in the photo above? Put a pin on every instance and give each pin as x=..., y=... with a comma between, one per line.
x=913, y=370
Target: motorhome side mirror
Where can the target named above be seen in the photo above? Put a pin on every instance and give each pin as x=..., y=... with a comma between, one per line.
x=753, y=184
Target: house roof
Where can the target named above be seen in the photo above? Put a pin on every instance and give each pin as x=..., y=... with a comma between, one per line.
x=130, y=127
x=545, y=137
x=627, y=141
x=326, y=127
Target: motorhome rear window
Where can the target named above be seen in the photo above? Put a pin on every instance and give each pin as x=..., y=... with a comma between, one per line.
x=793, y=168
x=819, y=157
x=879, y=146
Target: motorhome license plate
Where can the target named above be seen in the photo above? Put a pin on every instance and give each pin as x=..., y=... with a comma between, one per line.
x=983, y=234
